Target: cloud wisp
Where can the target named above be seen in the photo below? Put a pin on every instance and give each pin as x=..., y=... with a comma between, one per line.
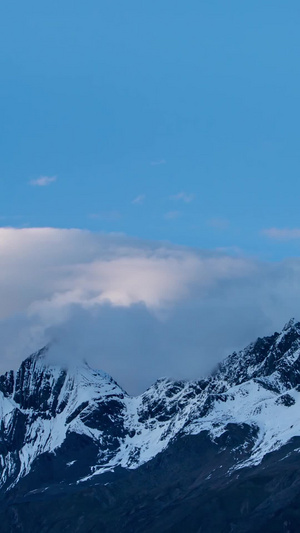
x=282, y=234
x=158, y=162
x=109, y=216
x=218, y=223
x=139, y=200
x=138, y=309
x=43, y=181
x=182, y=196
x=172, y=215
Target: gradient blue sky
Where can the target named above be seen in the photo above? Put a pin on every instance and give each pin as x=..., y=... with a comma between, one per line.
x=192, y=108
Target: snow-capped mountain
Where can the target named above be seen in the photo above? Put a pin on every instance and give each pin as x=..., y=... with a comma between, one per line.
x=71, y=425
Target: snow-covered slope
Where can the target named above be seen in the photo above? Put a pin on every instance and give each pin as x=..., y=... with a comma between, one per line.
x=79, y=423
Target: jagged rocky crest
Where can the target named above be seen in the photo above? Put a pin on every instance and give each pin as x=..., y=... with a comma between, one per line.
x=71, y=425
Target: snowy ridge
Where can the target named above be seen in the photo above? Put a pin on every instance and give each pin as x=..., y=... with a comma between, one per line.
x=87, y=422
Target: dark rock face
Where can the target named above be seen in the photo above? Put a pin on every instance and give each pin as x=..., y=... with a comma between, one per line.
x=286, y=399
x=219, y=454
x=7, y=383
x=183, y=489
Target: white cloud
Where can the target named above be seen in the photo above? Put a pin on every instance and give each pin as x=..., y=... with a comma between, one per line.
x=44, y=266
x=137, y=309
x=183, y=196
x=43, y=181
x=139, y=199
x=282, y=234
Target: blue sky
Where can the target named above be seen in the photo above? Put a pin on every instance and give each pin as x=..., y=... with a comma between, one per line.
x=120, y=100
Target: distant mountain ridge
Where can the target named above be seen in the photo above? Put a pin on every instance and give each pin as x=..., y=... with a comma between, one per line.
x=45, y=409
x=62, y=428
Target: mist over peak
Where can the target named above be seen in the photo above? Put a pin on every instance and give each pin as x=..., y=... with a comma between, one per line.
x=137, y=309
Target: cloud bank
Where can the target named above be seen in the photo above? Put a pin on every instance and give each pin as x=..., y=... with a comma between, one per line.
x=139, y=310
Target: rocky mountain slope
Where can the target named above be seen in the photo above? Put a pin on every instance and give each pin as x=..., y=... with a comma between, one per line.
x=66, y=432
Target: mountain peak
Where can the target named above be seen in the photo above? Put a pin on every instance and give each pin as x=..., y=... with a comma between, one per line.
x=46, y=360
x=275, y=357
x=39, y=355
x=291, y=323
x=79, y=415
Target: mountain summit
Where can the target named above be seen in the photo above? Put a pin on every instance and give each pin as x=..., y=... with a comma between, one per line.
x=76, y=427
